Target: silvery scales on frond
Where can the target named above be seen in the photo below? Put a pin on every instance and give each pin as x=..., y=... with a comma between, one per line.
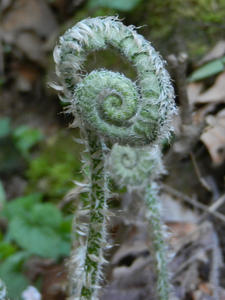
x=122, y=125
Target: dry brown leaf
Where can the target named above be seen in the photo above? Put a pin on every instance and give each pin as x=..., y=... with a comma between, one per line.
x=214, y=94
x=204, y=289
x=135, y=249
x=214, y=137
x=25, y=77
x=31, y=15
x=31, y=45
x=200, y=114
x=216, y=52
x=193, y=91
x=179, y=230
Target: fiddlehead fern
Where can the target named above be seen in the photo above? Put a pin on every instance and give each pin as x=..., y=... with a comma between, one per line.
x=134, y=167
x=109, y=108
x=138, y=168
x=108, y=102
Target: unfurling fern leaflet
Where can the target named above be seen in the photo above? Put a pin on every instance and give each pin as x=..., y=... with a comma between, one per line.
x=138, y=168
x=109, y=108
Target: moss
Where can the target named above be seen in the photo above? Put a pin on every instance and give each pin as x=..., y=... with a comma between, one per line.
x=193, y=23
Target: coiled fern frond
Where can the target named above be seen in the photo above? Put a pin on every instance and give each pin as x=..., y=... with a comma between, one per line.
x=108, y=102
x=111, y=109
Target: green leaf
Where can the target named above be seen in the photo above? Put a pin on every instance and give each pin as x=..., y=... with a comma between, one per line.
x=21, y=206
x=40, y=240
x=4, y=127
x=6, y=249
x=46, y=215
x=10, y=273
x=26, y=137
x=2, y=196
x=122, y=5
x=55, y=168
x=38, y=228
x=212, y=68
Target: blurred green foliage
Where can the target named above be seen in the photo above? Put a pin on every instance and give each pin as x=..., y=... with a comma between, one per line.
x=39, y=228
x=212, y=68
x=192, y=26
x=121, y=5
x=11, y=272
x=34, y=225
x=25, y=138
x=54, y=169
x=5, y=127
x=34, y=228
x=15, y=145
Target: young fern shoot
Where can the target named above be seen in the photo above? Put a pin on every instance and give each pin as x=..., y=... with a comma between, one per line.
x=109, y=109
x=137, y=168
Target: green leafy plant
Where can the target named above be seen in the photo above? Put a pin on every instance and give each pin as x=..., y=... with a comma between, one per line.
x=36, y=232
x=34, y=228
x=11, y=271
x=25, y=138
x=62, y=154
x=16, y=145
x=114, y=113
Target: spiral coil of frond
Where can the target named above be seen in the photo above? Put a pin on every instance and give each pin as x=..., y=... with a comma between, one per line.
x=109, y=108
x=135, y=167
x=108, y=102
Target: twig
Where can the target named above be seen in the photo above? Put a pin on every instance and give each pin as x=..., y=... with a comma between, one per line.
x=198, y=173
x=215, y=265
x=217, y=204
x=193, y=202
x=214, y=207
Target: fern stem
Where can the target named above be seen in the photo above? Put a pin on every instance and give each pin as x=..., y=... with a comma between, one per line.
x=110, y=108
x=96, y=240
x=157, y=245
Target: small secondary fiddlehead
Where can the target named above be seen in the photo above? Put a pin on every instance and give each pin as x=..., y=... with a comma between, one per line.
x=109, y=108
x=134, y=167
x=138, y=168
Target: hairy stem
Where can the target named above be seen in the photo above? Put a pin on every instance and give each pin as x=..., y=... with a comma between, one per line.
x=157, y=247
x=96, y=240
x=111, y=109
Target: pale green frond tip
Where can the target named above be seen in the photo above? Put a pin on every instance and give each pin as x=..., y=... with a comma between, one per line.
x=134, y=167
x=108, y=102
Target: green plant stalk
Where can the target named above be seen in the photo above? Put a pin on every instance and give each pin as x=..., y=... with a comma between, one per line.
x=109, y=108
x=96, y=240
x=87, y=258
x=157, y=247
x=137, y=168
